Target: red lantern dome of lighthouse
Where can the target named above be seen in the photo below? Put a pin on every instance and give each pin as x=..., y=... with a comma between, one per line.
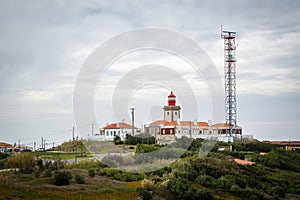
x=171, y=99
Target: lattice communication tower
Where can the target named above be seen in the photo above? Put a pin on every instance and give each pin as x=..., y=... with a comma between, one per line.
x=230, y=80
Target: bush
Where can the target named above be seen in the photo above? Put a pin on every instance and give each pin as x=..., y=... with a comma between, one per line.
x=117, y=140
x=36, y=172
x=254, y=146
x=92, y=173
x=148, y=184
x=47, y=173
x=207, y=180
x=25, y=162
x=3, y=155
x=40, y=164
x=62, y=178
x=146, y=195
x=139, y=139
x=144, y=148
x=183, y=190
x=108, y=172
x=79, y=179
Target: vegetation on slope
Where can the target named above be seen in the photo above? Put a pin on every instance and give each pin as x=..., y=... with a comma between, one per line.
x=275, y=175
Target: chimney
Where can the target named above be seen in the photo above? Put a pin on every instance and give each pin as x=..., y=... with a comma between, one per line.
x=209, y=122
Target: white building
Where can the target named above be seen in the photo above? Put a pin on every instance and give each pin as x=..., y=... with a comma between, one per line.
x=108, y=132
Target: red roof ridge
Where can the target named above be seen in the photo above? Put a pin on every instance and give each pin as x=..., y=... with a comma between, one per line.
x=118, y=125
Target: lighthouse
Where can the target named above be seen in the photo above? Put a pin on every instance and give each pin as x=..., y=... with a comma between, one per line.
x=171, y=111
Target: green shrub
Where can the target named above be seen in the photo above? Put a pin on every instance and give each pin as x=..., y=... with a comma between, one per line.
x=117, y=140
x=79, y=179
x=92, y=173
x=36, y=172
x=47, y=173
x=117, y=176
x=145, y=194
x=144, y=148
x=139, y=139
x=3, y=155
x=40, y=164
x=62, y=178
x=109, y=172
x=25, y=162
x=184, y=190
x=128, y=177
x=207, y=180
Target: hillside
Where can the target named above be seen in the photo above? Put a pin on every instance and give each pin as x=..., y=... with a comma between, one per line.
x=275, y=175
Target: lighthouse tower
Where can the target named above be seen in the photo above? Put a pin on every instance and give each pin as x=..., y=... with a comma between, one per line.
x=171, y=111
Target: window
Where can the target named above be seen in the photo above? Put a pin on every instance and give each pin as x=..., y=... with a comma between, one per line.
x=164, y=131
x=175, y=113
x=167, y=113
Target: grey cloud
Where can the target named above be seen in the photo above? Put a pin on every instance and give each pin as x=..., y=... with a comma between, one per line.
x=38, y=39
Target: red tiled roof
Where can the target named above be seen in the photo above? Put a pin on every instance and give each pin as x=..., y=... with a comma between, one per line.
x=186, y=123
x=202, y=124
x=288, y=143
x=166, y=123
x=243, y=162
x=158, y=122
x=5, y=145
x=118, y=126
x=221, y=125
x=182, y=123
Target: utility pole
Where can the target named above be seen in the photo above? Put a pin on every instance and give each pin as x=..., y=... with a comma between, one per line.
x=92, y=129
x=155, y=135
x=73, y=132
x=123, y=125
x=42, y=143
x=19, y=144
x=132, y=119
x=190, y=130
x=34, y=146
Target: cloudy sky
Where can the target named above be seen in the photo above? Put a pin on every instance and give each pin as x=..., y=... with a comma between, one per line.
x=44, y=45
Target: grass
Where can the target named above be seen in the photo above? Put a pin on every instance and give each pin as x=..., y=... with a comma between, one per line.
x=22, y=186
x=9, y=193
